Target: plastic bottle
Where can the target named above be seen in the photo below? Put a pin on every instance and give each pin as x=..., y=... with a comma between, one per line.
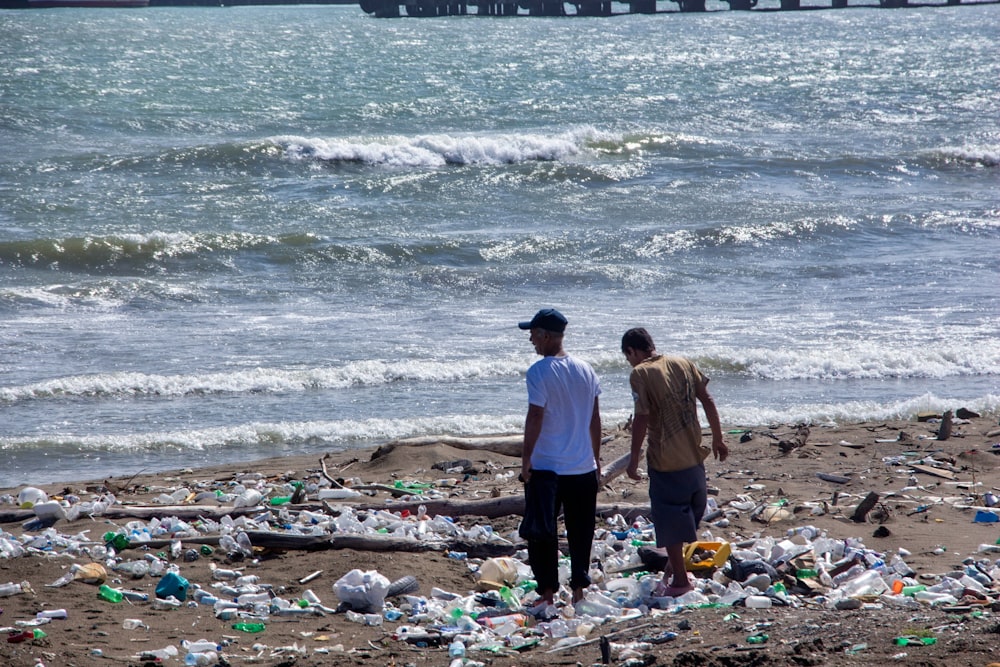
x=119, y=541
x=133, y=624
x=162, y=604
x=497, y=621
x=135, y=596
x=8, y=589
x=137, y=569
x=164, y=653
x=757, y=602
x=866, y=583
x=852, y=572
x=456, y=649
x=201, y=658
x=253, y=598
x=249, y=627
x=201, y=646
x=52, y=613
x=18, y=637
x=105, y=592
x=220, y=574
x=249, y=498
x=935, y=598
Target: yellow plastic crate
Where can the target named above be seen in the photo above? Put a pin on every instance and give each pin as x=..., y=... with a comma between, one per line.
x=721, y=555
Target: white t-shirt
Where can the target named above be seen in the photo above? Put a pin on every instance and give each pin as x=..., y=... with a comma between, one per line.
x=566, y=388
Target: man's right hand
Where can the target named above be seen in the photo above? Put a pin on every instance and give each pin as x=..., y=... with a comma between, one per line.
x=633, y=471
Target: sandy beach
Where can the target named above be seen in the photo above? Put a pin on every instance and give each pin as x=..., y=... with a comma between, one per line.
x=778, y=481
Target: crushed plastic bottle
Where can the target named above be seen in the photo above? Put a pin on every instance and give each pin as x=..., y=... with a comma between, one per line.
x=11, y=588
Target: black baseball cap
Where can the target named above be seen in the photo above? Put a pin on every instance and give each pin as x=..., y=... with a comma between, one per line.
x=549, y=319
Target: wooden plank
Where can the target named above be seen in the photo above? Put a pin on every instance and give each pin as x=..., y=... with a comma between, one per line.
x=930, y=470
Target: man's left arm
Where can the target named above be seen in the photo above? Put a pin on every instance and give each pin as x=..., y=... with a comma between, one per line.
x=719, y=448
x=595, y=434
x=532, y=429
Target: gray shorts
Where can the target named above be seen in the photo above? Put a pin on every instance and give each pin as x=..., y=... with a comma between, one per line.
x=678, y=501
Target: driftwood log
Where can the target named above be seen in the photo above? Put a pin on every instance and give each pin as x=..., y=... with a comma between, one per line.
x=796, y=441
x=186, y=512
x=507, y=445
x=487, y=507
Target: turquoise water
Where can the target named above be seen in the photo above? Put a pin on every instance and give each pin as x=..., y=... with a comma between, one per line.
x=246, y=232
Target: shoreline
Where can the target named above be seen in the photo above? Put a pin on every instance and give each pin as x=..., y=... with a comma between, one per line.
x=952, y=479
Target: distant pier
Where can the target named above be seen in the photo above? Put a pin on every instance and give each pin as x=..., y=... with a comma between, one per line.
x=426, y=8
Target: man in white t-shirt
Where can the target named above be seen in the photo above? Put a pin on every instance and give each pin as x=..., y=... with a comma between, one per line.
x=560, y=463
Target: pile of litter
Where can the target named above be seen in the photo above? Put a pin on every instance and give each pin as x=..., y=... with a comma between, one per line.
x=804, y=568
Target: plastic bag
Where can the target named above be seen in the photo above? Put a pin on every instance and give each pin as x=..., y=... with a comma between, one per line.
x=363, y=591
x=497, y=573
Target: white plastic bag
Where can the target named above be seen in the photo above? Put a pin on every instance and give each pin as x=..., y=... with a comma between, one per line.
x=363, y=591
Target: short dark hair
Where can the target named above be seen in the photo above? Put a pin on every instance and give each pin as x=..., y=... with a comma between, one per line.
x=638, y=339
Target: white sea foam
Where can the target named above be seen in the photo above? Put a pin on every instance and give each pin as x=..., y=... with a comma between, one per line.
x=836, y=361
x=984, y=155
x=262, y=380
x=256, y=435
x=852, y=411
x=439, y=150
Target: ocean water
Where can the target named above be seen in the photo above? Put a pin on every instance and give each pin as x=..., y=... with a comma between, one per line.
x=232, y=233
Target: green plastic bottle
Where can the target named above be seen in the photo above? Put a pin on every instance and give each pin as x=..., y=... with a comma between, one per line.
x=105, y=592
x=118, y=540
x=509, y=597
x=249, y=627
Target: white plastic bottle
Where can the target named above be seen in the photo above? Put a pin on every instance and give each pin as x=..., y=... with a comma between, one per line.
x=8, y=589
x=757, y=602
x=201, y=646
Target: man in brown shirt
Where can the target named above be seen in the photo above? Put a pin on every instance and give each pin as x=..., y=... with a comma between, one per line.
x=665, y=390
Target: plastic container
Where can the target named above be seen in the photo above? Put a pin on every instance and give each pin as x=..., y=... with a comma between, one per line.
x=172, y=585
x=721, y=555
x=52, y=613
x=29, y=496
x=51, y=511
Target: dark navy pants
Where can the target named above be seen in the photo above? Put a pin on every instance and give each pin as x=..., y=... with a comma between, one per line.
x=576, y=496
